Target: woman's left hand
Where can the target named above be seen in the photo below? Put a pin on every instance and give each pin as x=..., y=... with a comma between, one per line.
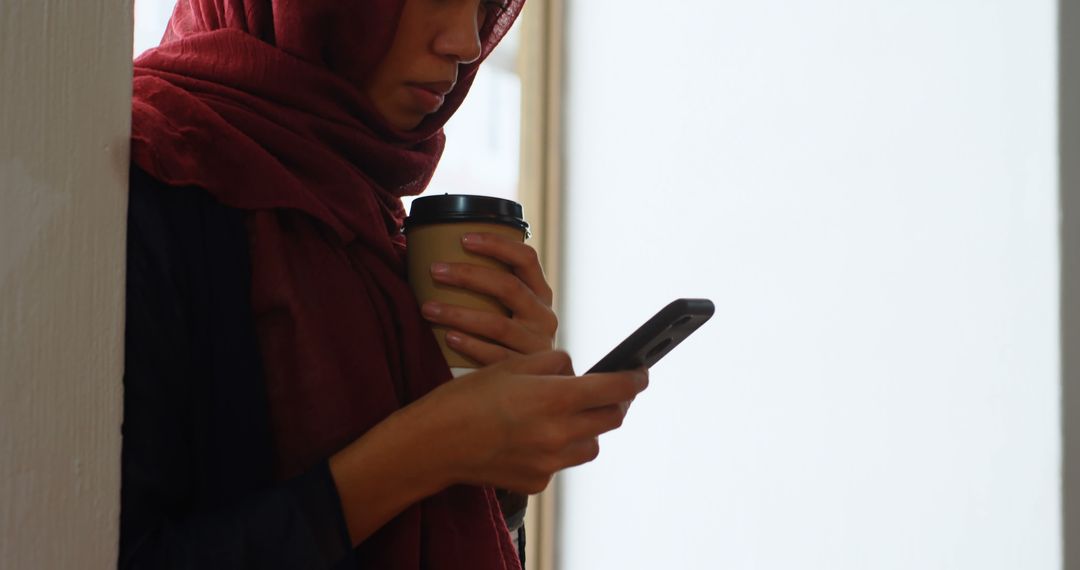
x=486, y=337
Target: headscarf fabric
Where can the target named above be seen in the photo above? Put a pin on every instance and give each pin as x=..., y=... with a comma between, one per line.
x=259, y=103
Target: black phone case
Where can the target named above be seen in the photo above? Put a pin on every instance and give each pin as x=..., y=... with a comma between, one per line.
x=658, y=336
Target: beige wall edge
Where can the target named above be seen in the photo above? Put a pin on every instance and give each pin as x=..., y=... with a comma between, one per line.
x=64, y=124
x=1069, y=150
x=540, y=191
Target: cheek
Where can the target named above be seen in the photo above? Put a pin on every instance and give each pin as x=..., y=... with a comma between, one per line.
x=352, y=58
x=388, y=75
x=382, y=96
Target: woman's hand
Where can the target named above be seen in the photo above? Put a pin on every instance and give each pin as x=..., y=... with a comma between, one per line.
x=512, y=425
x=515, y=424
x=489, y=338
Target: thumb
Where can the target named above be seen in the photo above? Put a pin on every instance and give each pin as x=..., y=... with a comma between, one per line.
x=549, y=363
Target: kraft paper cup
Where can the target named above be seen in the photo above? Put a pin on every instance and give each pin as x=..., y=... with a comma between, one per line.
x=433, y=231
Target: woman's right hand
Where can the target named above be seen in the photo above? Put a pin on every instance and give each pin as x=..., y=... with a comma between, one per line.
x=515, y=424
x=512, y=425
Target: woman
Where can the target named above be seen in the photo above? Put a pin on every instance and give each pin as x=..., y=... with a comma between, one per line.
x=286, y=405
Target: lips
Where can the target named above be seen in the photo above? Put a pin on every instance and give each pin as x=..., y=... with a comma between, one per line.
x=429, y=97
x=440, y=88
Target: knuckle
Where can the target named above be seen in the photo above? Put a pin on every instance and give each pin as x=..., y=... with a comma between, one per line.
x=547, y=294
x=539, y=484
x=562, y=359
x=587, y=451
x=552, y=324
x=616, y=418
x=500, y=353
x=500, y=327
x=518, y=287
x=531, y=256
x=504, y=287
x=631, y=386
x=592, y=450
x=550, y=465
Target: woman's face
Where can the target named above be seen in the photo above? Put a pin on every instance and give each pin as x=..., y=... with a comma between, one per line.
x=433, y=37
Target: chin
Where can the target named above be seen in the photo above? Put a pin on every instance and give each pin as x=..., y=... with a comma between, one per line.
x=405, y=121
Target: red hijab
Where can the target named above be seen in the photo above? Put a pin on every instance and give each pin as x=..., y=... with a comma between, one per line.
x=256, y=101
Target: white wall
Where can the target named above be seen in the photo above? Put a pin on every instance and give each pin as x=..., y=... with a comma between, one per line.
x=151, y=19
x=65, y=101
x=867, y=189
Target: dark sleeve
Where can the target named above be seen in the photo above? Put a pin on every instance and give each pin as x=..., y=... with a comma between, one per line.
x=187, y=500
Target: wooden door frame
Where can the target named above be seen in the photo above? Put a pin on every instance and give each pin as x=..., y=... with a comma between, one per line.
x=1069, y=203
x=540, y=191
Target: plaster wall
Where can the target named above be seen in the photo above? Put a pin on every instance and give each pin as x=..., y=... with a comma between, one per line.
x=64, y=123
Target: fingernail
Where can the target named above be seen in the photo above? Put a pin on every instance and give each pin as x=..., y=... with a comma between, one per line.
x=470, y=238
x=453, y=338
x=440, y=268
x=432, y=309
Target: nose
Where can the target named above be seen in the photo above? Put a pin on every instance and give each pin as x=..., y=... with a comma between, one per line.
x=459, y=37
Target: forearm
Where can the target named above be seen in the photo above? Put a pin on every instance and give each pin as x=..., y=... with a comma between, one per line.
x=396, y=464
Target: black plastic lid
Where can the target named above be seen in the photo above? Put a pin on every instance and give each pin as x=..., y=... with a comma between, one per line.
x=455, y=208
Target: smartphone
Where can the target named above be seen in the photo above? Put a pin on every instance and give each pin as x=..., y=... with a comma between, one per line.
x=658, y=336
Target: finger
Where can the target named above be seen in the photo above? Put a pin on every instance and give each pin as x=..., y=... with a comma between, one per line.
x=485, y=353
x=547, y=363
x=522, y=258
x=599, y=390
x=596, y=421
x=503, y=330
x=507, y=288
x=579, y=452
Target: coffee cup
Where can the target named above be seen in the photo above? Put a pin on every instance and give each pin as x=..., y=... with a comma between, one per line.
x=434, y=230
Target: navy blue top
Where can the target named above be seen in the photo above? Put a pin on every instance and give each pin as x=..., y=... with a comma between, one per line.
x=198, y=489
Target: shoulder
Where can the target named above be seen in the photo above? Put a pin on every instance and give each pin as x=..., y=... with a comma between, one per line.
x=188, y=260
x=174, y=230
x=163, y=213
